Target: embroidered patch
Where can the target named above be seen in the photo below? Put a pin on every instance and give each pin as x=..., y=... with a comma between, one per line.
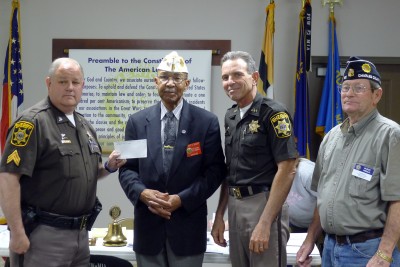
x=193, y=149
x=14, y=157
x=281, y=123
x=22, y=132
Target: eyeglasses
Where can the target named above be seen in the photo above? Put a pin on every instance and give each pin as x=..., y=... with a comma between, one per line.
x=175, y=79
x=358, y=88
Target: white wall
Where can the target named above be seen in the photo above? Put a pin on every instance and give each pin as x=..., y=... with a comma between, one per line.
x=364, y=28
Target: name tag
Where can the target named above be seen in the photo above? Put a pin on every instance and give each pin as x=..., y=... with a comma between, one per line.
x=363, y=172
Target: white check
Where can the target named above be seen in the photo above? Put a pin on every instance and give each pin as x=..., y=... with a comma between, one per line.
x=132, y=149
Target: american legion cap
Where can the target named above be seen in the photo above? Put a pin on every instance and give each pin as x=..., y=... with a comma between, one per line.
x=173, y=63
x=358, y=68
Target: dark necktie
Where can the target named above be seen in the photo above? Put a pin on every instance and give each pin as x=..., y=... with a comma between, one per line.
x=169, y=140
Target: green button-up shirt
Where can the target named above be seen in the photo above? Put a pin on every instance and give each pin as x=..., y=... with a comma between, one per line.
x=357, y=173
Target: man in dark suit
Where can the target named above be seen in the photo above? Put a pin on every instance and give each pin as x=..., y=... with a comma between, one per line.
x=184, y=166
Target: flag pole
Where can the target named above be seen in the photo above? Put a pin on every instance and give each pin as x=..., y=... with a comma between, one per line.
x=330, y=111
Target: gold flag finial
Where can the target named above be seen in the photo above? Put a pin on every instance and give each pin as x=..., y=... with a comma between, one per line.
x=332, y=4
x=15, y=3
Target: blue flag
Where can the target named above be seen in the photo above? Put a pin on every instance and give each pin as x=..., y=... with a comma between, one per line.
x=330, y=107
x=302, y=127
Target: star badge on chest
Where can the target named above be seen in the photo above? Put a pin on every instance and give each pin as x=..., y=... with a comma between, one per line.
x=253, y=126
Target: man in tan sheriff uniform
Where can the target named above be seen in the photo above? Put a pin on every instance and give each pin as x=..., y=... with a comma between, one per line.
x=48, y=176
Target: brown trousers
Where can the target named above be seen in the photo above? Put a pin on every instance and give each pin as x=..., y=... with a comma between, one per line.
x=244, y=215
x=54, y=247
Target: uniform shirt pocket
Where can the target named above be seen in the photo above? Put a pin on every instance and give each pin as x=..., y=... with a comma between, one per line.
x=71, y=161
x=253, y=150
x=254, y=141
x=364, y=186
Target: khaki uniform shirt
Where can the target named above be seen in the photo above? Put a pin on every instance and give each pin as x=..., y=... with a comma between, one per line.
x=58, y=162
x=257, y=142
x=357, y=173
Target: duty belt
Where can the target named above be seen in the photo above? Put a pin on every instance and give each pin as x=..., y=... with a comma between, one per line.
x=246, y=191
x=64, y=222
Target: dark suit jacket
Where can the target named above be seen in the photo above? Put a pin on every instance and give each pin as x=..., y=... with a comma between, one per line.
x=193, y=178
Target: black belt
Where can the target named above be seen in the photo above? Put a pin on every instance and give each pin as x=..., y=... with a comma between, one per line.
x=64, y=222
x=357, y=238
x=296, y=229
x=245, y=191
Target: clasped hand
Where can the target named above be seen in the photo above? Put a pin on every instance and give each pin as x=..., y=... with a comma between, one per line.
x=159, y=203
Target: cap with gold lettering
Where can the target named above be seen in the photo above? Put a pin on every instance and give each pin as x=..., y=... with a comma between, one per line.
x=173, y=63
x=358, y=68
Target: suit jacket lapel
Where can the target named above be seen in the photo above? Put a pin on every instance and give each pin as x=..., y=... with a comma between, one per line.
x=153, y=133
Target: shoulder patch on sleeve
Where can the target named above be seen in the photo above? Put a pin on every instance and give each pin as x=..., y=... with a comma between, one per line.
x=21, y=133
x=281, y=123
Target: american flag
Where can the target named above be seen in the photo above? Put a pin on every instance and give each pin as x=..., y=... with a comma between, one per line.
x=13, y=92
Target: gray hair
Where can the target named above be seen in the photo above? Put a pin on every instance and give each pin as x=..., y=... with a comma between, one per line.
x=57, y=62
x=246, y=57
x=374, y=85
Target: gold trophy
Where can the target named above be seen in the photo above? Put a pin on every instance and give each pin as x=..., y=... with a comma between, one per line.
x=115, y=237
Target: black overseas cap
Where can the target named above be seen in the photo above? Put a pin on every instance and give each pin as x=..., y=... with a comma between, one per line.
x=358, y=68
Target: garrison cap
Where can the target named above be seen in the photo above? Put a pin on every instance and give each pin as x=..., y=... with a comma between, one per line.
x=358, y=68
x=173, y=63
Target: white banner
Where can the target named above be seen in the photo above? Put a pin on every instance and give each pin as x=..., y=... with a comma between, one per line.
x=120, y=82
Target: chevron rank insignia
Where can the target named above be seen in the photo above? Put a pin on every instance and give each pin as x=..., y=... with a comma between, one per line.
x=14, y=157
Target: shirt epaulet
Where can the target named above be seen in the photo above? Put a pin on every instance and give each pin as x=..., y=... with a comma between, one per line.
x=31, y=113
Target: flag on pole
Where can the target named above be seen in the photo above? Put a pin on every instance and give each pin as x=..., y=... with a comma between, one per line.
x=13, y=92
x=266, y=68
x=302, y=127
x=330, y=108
